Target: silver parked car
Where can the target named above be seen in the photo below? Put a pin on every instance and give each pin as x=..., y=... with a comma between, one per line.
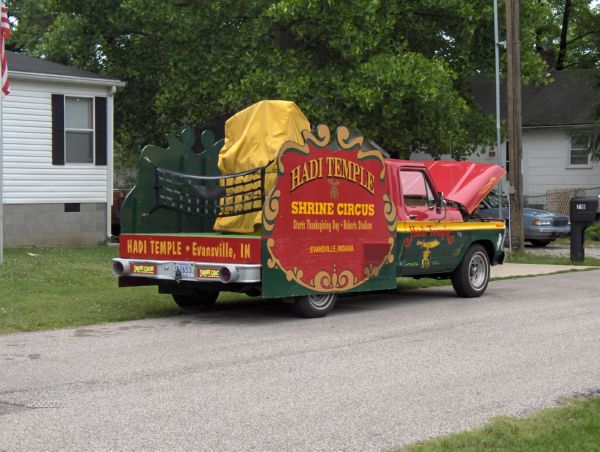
x=541, y=226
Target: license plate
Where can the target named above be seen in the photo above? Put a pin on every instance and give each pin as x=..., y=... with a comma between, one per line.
x=186, y=270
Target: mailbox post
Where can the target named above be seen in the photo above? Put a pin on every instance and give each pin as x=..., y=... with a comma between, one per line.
x=583, y=213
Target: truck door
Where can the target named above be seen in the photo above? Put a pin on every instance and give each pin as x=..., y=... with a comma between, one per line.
x=420, y=250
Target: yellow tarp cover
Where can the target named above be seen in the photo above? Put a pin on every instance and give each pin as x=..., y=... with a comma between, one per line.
x=252, y=139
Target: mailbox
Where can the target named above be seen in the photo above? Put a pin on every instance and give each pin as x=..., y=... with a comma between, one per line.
x=583, y=213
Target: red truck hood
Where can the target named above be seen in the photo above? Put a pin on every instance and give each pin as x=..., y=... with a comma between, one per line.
x=465, y=183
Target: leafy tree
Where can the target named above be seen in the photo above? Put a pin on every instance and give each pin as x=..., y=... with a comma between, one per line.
x=569, y=37
x=395, y=70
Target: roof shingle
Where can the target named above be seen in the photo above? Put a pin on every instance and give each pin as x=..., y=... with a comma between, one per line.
x=17, y=62
x=571, y=99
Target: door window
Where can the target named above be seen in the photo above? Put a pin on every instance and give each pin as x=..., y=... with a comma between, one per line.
x=415, y=189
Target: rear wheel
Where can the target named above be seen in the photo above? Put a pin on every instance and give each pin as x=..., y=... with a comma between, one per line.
x=316, y=305
x=199, y=300
x=540, y=242
x=471, y=277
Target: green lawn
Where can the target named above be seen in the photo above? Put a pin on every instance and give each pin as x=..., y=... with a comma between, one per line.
x=573, y=427
x=59, y=287
x=43, y=288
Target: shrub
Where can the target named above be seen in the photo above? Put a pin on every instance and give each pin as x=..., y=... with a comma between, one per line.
x=593, y=232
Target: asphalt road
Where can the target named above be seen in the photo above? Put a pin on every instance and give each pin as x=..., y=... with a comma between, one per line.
x=380, y=371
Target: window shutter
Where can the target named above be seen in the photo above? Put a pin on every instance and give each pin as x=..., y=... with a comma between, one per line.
x=58, y=129
x=100, y=130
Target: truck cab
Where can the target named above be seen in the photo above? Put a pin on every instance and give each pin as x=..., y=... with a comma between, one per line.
x=415, y=194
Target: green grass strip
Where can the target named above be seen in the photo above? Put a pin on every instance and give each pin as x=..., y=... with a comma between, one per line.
x=43, y=288
x=573, y=427
x=531, y=258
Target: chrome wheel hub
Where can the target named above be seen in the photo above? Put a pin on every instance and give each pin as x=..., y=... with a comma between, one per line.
x=477, y=271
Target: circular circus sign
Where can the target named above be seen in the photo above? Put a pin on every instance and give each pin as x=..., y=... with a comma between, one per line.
x=329, y=224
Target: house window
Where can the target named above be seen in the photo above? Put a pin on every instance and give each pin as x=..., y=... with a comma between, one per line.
x=579, y=151
x=79, y=130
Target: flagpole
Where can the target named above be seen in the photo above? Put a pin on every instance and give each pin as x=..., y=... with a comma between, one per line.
x=4, y=35
x=1, y=179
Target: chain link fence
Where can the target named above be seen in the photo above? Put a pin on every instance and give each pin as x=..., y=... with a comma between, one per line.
x=558, y=199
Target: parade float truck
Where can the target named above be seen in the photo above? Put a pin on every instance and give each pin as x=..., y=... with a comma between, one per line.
x=287, y=213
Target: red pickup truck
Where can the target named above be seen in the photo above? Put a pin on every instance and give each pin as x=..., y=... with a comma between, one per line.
x=339, y=218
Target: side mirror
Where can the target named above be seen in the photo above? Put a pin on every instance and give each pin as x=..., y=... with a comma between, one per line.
x=439, y=202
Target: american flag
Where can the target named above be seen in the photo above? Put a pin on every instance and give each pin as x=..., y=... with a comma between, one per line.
x=4, y=35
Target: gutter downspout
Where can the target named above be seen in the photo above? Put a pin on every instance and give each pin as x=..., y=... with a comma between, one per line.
x=109, y=158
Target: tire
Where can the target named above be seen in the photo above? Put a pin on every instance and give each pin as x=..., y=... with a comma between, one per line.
x=540, y=243
x=201, y=300
x=313, y=306
x=471, y=277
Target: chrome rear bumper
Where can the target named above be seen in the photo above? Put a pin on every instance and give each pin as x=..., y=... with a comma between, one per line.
x=187, y=271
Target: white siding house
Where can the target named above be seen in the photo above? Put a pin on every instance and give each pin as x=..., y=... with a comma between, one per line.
x=558, y=119
x=57, y=146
